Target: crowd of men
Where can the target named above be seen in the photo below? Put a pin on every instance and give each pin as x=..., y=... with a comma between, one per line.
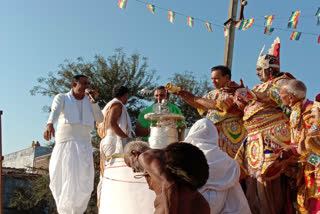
x=266, y=138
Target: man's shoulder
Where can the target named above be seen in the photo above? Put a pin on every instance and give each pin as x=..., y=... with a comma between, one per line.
x=59, y=96
x=116, y=105
x=280, y=80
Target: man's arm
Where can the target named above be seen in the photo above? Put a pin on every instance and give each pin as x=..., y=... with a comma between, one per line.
x=56, y=108
x=197, y=102
x=114, y=115
x=97, y=113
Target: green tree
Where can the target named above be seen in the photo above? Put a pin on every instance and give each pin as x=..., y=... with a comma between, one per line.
x=34, y=197
x=198, y=86
x=104, y=74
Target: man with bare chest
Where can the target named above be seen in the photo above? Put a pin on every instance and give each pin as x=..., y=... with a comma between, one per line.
x=174, y=174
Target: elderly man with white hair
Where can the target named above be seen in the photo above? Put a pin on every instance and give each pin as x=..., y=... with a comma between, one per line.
x=293, y=94
x=222, y=190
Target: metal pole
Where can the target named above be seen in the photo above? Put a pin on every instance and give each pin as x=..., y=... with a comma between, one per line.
x=1, y=158
x=228, y=50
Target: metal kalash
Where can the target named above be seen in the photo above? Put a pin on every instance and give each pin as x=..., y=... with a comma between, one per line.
x=163, y=129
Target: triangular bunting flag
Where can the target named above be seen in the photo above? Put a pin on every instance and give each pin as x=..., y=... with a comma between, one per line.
x=151, y=8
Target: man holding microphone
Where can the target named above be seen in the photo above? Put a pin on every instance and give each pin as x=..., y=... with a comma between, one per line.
x=71, y=167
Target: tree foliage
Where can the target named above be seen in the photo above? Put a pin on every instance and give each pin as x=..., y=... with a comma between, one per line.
x=34, y=198
x=104, y=74
x=198, y=86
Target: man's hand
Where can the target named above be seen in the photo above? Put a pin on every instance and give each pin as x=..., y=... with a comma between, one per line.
x=233, y=86
x=93, y=93
x=48, y=132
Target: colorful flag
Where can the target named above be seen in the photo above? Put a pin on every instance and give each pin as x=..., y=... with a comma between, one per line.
x=226, y=31
x=293, y=24
x=122, y=4
x=295, y=35
x=319, y=39
x=190, y=21
x=209, y=27
x=269, y=20
x=238, y=24
x=151, y=8
x=249, y=23
x=171, y=16
x=243, y=24
x=294, y=16
x=268, y=30
x=318, y=12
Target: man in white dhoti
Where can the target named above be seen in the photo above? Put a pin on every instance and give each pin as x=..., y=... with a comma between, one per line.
x=71, y=167
x=118, y=191
x=222, y=190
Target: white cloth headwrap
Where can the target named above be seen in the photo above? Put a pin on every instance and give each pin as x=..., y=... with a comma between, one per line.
x=224, y=171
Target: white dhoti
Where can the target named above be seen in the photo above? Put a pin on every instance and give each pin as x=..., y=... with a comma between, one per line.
x=118, y=191
x=121, y=193
x=71, y=176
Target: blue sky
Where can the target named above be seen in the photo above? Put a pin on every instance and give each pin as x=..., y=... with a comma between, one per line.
x=38, y=35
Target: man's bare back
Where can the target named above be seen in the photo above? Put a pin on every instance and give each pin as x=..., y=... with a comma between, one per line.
x=175, y=187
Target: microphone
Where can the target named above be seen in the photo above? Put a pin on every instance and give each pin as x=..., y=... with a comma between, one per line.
x=90, y=95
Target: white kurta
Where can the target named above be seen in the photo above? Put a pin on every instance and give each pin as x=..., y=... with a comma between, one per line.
x=222, y=190
x=71, y=167
x=119, y=191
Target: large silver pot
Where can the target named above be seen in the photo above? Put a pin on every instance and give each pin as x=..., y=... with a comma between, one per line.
x=165, y=131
